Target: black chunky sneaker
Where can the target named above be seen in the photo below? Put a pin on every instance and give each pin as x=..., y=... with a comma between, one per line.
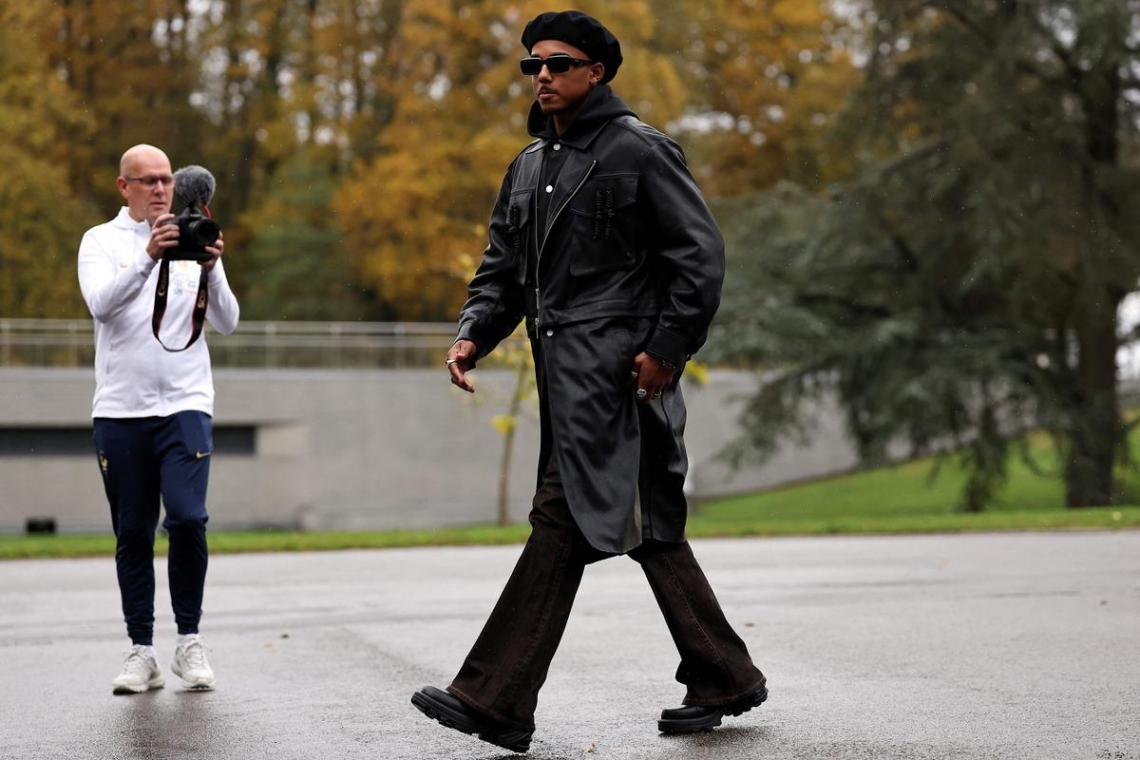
x=449, y=711
x=693, y=718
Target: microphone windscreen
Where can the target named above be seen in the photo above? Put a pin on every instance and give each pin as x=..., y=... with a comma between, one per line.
x=194, y=185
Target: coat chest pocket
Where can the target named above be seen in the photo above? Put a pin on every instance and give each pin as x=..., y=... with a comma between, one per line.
x=603, y=218
x=518, y=227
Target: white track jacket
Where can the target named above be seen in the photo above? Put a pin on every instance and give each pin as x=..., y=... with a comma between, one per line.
x=134, y=375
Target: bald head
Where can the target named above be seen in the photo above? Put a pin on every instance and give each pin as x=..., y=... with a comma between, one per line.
x=146, y=182
x=139, y=154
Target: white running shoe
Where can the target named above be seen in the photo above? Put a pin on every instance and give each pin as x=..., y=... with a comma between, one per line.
x=190, y=663
x=140, y=672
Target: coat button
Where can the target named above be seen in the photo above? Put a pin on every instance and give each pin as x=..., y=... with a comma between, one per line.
x=549, y=333
x=550, y=188
x=558, y=146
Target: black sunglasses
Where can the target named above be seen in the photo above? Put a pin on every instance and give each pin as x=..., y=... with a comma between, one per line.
x=557, y=64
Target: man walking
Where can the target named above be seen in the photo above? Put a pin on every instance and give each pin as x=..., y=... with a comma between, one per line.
x=152, y=410
x=601, y=240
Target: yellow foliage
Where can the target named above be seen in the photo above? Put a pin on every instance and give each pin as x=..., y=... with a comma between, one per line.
x=697, y=372
x=764, y=87
x=415, y=215
x=41, y=217
x=504, y=423
x=414, y=108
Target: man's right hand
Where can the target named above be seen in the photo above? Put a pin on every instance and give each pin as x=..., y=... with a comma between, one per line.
x=162, y=236
x=458, y=362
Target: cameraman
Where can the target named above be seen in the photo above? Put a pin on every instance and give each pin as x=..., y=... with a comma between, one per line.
x=152, y=411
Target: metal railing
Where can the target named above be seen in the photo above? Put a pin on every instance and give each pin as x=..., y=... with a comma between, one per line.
x=266, y=345
x=46, y=343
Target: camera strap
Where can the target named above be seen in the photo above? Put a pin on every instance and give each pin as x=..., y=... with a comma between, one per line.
x=197, y=317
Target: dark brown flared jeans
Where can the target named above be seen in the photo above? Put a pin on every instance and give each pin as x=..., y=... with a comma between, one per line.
x=504, y=671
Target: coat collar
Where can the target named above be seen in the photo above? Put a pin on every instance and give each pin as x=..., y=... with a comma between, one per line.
x=601, y=107
x=125, y=222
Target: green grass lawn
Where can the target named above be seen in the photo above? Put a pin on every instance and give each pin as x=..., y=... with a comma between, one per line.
x=897, y=499
x=893, y=500
x=904, y=498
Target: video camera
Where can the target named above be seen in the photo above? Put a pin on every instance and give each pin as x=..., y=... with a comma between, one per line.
x=196, y=230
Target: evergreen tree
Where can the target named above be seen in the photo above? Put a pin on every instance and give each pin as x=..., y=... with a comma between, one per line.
x=963, y=285
x=293, y=265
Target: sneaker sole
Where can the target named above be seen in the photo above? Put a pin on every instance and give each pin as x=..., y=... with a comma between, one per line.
x=198, y=685
x=156, y=683
x=515, y=741
x=711, y=721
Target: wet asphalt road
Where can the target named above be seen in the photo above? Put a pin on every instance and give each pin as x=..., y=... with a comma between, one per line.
x=1018, y=646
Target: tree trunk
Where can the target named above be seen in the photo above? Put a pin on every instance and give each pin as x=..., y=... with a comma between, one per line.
x=504, y=515
x=1096, y=430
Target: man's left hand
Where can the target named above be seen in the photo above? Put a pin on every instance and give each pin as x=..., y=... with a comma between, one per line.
x=216, y=250
x=650, y=375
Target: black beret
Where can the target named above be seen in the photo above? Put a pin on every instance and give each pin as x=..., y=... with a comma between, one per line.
x=580, y=30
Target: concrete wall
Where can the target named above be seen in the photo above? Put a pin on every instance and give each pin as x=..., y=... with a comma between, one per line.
x=357, y=449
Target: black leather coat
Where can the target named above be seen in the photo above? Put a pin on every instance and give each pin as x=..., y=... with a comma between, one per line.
x=629, y=260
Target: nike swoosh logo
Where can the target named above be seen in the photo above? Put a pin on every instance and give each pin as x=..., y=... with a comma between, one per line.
x=203, y=454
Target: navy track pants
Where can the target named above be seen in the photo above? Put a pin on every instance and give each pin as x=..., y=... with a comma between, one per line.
x=142, y=460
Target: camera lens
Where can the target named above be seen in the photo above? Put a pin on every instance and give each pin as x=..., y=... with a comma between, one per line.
x=203, y=232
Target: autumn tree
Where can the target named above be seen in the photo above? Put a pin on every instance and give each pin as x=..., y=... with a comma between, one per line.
x=83, y=80
x=365, y=139
x=765, y=68
x=413, y=212
x=295, y=92
x=39, y=211
x=132, y=68
x=764, y=81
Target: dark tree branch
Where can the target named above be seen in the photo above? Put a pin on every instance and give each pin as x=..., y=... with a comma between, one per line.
x=919, y=153
x=960, y=16
x=1063, y=54
x=905, y=252
x=816, y=299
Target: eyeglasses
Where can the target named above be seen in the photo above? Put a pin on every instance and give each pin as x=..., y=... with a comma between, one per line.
x=151, y=180
x=555, y=64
